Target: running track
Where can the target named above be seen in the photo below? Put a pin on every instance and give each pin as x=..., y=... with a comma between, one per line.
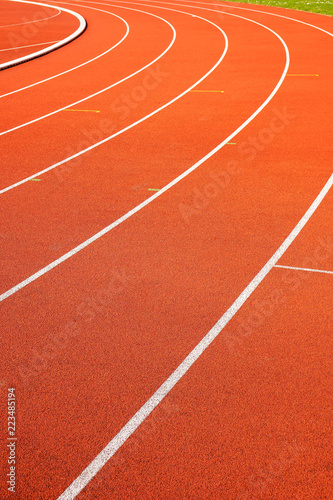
x=167, y=255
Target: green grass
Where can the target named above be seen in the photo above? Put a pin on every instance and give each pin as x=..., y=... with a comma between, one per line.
x=318, y=6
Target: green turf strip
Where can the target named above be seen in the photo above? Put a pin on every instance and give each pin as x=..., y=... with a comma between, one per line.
x=318, y=6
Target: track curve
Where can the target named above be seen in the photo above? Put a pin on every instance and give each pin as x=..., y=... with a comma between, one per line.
x=122, y=392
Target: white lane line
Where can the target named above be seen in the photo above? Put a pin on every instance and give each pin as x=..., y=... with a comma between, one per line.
x=304, y=269
x=109, y=86
x=33, y=21
x=79, y=65
x=110, y=449
x=27, y=46
x=71, y=37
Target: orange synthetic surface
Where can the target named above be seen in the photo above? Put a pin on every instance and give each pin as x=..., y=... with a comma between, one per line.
x=88, y=343
x=27, y=28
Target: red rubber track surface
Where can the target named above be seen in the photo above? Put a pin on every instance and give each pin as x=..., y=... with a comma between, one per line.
x=88, y=343
x=26, y=28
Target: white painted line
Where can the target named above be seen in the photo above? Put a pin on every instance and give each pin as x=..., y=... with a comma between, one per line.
x=72, y=36
x=79, y=65
x=304, y=269
x=27, y=46
x=110, y=449
x=34, y=21
x=109, y=86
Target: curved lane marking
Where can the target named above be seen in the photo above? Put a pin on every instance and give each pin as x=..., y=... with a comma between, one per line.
x=41, y=172
x=104, y=231
x=165, y=388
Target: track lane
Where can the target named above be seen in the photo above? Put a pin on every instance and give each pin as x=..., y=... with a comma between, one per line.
x=35, y=17
x=103, y=208
x=76, y=103
x=52, y=93
x=297, y=16
x=59, y=123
